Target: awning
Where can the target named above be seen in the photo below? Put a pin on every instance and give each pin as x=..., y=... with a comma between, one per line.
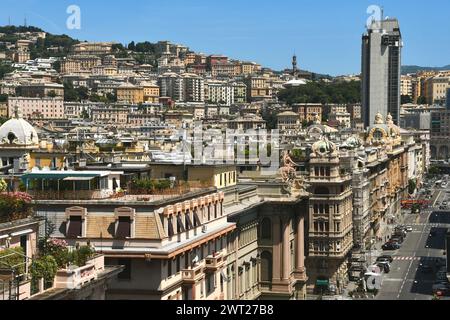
x=322, y=282
x=21, y=233
x=4, y=236
x=78, y=178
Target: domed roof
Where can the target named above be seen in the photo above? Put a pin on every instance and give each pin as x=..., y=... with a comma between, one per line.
x=323, y=147
x=17, y=131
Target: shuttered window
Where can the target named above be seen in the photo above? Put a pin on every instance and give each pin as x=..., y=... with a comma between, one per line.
x=170, y=226
x=188, y=222
x=196, y=220
x=180, y=226
x=124, y=228
x=74, y=230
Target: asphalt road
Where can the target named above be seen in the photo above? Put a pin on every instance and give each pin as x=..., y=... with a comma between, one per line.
x=406, y=280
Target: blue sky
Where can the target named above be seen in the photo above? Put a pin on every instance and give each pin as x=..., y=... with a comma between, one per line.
x=325, y=34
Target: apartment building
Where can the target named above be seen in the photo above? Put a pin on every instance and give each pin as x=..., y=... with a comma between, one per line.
x=130, y=93
x=110, y=115
x=219, y=92
x=41, y=90
x=308, y=111
x=47, y=108
x=257, y=88
x=92, y=48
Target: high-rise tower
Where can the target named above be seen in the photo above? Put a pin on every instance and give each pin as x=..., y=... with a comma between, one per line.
x=381, y=64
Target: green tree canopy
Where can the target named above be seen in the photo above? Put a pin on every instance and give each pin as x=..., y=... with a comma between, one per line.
x=323, y=92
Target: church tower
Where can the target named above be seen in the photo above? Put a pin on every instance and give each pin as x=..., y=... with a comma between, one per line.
x=294, y=66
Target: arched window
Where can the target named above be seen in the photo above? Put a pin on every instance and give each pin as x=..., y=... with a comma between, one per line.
x=266, y=229
x=11, y=137
x=266, y=266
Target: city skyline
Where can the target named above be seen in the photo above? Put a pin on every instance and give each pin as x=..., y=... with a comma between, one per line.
x=245, y=34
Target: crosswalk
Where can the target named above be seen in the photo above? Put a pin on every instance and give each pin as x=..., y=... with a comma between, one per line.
x=405, y=258
x=410, y=258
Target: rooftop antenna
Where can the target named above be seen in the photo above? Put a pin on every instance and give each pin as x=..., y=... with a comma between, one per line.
x=25, y=21
x=9, y=20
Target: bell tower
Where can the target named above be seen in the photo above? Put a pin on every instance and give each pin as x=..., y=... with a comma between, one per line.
x=294, y=66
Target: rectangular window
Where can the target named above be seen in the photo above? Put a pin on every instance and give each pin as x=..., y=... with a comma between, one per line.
x=178, y=264
x=169, y=267
x=74, y=230
x=209, y=284
x=188, y=221
x=196, y=219
x=170, y=227
x=124, y=228
x=180, y=226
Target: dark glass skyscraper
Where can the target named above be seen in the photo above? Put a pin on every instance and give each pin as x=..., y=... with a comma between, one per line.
x=381, y=67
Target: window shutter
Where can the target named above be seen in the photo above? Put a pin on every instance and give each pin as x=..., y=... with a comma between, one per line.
x=170, y=227
x=196, y=220
x=188, y=222
x=180, y=226
x=124, y=228
x=74, y=230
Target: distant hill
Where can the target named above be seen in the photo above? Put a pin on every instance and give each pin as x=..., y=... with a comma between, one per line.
x=415, y=69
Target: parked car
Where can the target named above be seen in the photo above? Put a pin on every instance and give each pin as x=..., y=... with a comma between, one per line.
x=384, y=265
x=441, y=276
x=409, y=229
x=385, y=258
x=390, y=246
x=441, y=289
x=397, y=239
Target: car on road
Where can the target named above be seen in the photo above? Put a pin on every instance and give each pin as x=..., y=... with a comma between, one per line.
x=441, y=276
x=397, y=239
x=385, y=258
x=441, y=290
x=409, y=229
x=390, y=246
x=384, y=265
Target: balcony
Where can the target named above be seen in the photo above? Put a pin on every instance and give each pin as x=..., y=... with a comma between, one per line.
x=78, y=277
x=193, y=275
x=214, y=262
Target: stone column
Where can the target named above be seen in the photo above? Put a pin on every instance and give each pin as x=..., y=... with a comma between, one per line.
x=276, y=245
x=300, y=254
x=286, y=249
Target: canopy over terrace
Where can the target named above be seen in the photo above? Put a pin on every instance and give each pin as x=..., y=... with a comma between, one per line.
x=71, y=180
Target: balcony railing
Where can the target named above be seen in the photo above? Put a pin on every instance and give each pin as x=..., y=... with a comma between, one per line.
x=214, y=262
x=194, y=274
x=71, y=195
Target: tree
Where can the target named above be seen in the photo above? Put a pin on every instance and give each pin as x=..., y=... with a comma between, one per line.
x=51, y=94
x=85, y=114
x=131, y=46
x=323, y=92
x=3, y=97
x=4, y=69
x=421, y=100
x=412, y=185
x=406, y=99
